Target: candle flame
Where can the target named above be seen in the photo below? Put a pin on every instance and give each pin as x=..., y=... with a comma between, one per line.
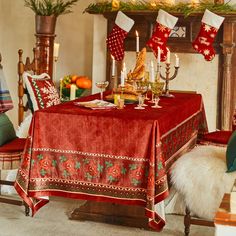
x=124, y=67
x=136, y=33
x=176, y=55
x=112, y=57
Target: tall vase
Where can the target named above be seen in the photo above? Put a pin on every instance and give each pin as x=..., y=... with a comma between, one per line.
x=45, y=24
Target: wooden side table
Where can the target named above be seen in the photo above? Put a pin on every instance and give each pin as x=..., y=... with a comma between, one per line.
x=225, y=221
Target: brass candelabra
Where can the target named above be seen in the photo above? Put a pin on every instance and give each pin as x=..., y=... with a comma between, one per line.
x=168, y=78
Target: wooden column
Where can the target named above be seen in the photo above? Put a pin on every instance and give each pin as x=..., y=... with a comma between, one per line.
x=44, y=57
x=227, y=85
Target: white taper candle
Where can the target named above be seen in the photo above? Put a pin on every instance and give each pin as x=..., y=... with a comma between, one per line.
x=56, y=49
x=137, y=41
x=176, y=60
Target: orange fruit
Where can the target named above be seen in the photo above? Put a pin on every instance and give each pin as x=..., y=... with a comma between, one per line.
x=83, y=82
x=74, y=78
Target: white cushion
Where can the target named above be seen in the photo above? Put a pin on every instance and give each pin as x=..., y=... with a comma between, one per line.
x=23, y=129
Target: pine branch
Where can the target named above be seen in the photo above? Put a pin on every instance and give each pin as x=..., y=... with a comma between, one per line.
x=184, y=8
x=50, y=7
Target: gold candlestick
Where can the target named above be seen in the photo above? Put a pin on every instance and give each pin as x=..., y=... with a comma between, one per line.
x=122, y=89
x=114, y=79
x=167, y=79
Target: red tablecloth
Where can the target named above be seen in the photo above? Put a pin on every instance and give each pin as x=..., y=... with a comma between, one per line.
x=113, y=155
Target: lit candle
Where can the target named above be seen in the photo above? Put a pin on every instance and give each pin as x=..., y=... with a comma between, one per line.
x=158, y=55
x=168, y=56
x=176, y=60
x=122, y=78
x=137, y=41
x=72, y=91
x=113, y=66
x=124, y=70
x=56, y=49
x=152, y=73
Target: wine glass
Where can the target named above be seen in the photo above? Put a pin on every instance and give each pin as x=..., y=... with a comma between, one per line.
x=102, y=85
x=157, y=88
x=146, y=81
x=141, y=89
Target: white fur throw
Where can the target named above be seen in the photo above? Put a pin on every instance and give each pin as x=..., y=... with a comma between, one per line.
x=200, y=176
x=22, y=130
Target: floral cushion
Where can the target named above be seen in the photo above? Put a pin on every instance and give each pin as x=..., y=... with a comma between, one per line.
x=42, y=90
x=231, y=153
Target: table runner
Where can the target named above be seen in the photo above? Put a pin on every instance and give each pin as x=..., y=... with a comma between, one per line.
x=110, y=155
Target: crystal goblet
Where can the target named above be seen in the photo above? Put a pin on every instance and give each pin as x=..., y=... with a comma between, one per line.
x=157, y=88
x=102, y=85
x=141, y=89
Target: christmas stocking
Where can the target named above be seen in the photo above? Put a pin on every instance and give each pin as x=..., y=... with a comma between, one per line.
x=165, y=23
x=203, y=43
x=115, y=40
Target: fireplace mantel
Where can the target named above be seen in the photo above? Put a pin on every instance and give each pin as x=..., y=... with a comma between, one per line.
x=224, y=45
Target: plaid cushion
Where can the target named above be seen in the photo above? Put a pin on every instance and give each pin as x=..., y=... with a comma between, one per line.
x=10, y=154
x=5, y=97
x=10, y=161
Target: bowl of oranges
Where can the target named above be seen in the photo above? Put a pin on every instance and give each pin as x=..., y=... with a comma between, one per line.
x=81, y=82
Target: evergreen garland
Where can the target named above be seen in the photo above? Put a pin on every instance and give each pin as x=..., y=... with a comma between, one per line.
x=184, y=8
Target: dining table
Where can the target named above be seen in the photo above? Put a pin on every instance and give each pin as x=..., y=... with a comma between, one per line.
x=122, y=156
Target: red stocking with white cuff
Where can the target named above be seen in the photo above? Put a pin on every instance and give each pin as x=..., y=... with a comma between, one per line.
x=164, y=24
x=209, y=27
x=115, y=40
